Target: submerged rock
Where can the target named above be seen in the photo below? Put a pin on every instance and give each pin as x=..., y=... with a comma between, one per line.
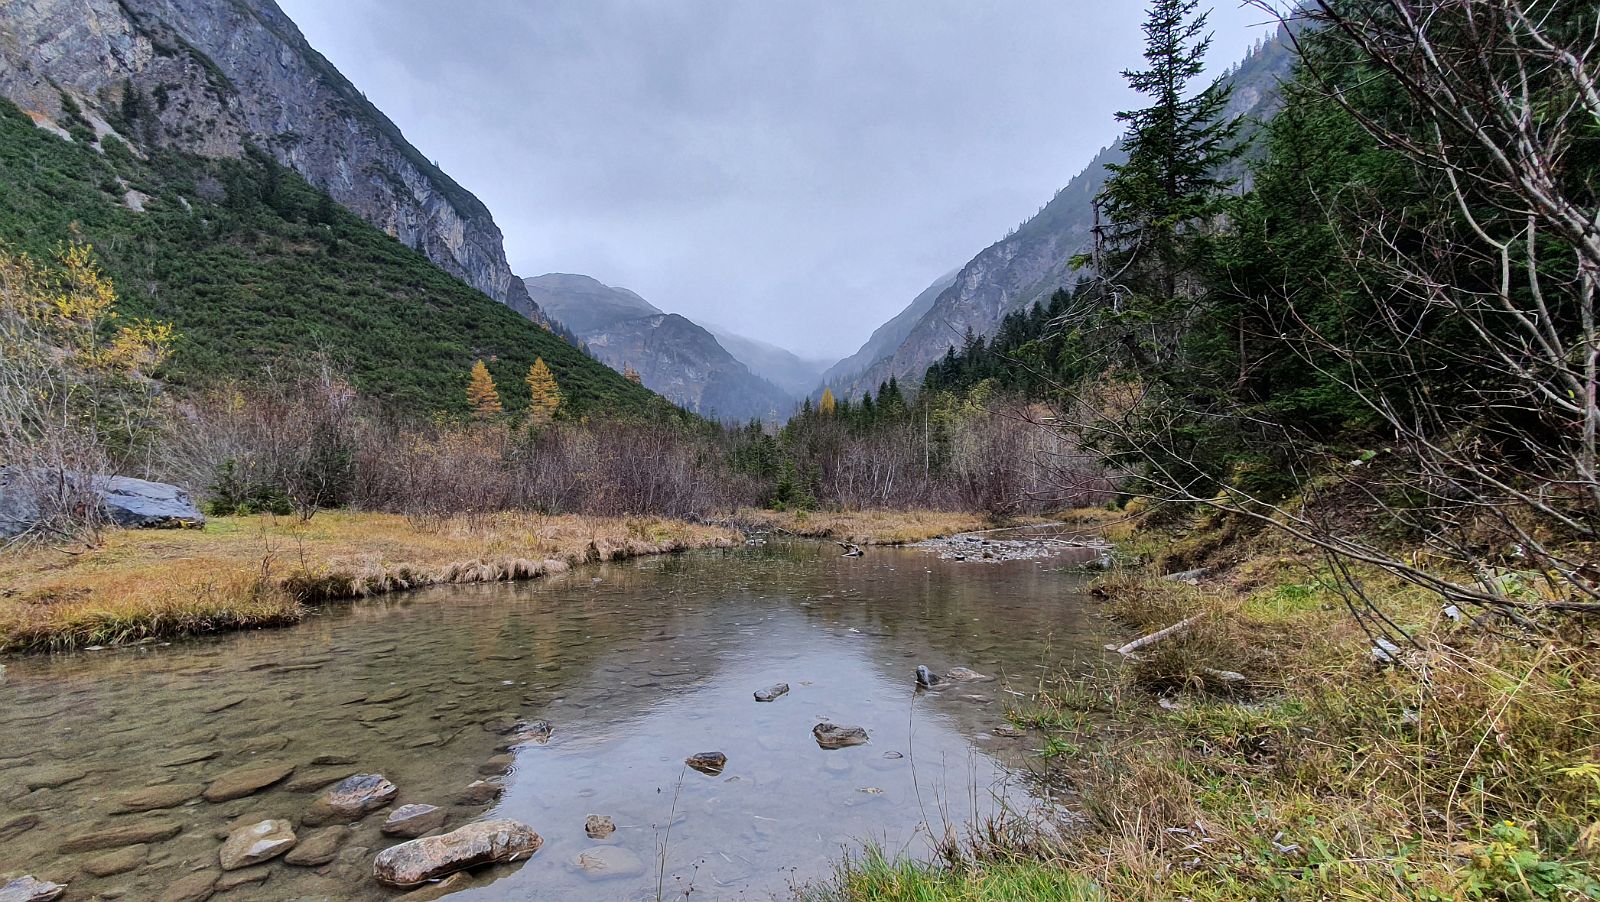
x=31, y=889
x=963, y=675
x=196, y=887
x=926, y=678
x=710, y=763
x=536, y=733
x=485, y=842
x=351, y=800
x=261, y=841
x=772, y=692
x=481, y=792
x=122, y=835
x=598, y=826
x=119, y=862
x=606, y=862
x=834, y=736
x=243, y=781
x=155, y=798
x=414, y=820
x=318, y=848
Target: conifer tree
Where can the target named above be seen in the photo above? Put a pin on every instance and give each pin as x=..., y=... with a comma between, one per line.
x=544, y=396
x=482, y=396
x=826, y=405
x=1171, y=183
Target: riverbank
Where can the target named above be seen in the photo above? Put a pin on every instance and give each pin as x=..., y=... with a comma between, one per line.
x=1466, y=771
x=256, y=571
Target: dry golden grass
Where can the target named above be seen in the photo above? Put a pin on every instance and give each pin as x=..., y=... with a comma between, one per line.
x=868, y=527
x=258, y=571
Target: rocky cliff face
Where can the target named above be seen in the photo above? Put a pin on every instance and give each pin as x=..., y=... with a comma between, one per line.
x=1030, y=263
x=213, y=77
x=674, y=356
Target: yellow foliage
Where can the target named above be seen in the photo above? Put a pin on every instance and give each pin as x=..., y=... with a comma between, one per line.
x=544, y=396
x=482, y=396
x=63, y=312
x=827, y=405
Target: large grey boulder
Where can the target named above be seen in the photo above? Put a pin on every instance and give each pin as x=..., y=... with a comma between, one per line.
x=481, y=843
x=141, y=504
x=126, y=502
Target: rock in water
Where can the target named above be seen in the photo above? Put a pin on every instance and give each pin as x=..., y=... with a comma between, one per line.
x=710, y=763
x=319, y=848
x=963, y=675
x=122, y=835
x=834, y=736
x=414, y=820
x=196, y=887
x=598, y=826
x=926, y=678
x=240, y=782
x=485, y=842
x=536, y=733
x=261, y=841
x=604, y=862
x=772, y=692
x=351, y=800
x=31, y=889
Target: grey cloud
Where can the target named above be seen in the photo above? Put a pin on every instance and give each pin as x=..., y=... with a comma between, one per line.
x=796, y=171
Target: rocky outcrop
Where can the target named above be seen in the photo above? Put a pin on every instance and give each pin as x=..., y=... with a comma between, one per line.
x=124, y=501
x=674, y=356
x=485, y=842
x=214, y=77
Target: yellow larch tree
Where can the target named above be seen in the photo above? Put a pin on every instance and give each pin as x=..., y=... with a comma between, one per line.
x=544, y=395
x=482, y=396
x=826, y=405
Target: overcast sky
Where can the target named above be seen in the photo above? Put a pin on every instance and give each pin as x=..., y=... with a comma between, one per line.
x=796, y=171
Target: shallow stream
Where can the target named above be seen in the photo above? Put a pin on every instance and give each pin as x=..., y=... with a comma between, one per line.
x=636, y=665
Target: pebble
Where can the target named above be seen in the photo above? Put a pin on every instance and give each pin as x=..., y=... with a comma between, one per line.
x=599, y=826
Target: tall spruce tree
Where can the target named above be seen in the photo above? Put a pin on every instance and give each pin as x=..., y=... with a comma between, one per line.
x=1156, y=204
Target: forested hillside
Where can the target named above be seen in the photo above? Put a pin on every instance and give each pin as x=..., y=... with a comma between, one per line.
x=256, y=269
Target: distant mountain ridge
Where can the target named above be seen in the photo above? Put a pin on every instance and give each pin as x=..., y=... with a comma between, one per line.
x=213, y=77
x=1030, y=263
x=674, y=356
x=789, y=371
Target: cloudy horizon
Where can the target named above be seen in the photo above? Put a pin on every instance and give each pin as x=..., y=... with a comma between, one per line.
x=793, y=174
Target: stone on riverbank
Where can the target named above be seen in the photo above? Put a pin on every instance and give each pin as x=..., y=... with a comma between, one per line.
x=414, y=820
x=243, y=781
x=31, y=889
x=485, y=842
x=261, y=841
x=834, y=736
x=709, y=763
x=772, y=693
x=351, y=800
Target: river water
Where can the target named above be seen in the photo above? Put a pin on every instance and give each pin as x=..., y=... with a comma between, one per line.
x=636, y=665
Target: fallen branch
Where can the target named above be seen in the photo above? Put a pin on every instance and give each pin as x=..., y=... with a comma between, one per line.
x=1157, y=636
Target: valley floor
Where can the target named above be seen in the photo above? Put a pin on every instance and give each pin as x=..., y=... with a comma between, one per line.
x=1467, y=771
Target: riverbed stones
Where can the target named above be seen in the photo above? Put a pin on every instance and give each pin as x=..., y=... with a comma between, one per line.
x=311, y=780
x=708, y=763
x=258, y=842
x=17, y=826
x=351, y=800
x=454, y=883
x=196, y=887
x=481, y=792
x=318, y=848
x=537, y=732
x=772, y=693
x=485, y=842
x=191, y=755
x=926, y=678
x=120, y=861
x=608, y=862
x=414, y=820
x=244, y=781
x=53, y=777
x=232, y=880
x=156, y=798
x=129, y=834
x=31, y=889
x=834, y=736
x=497, y=765
x=333, y=758
x=599, y=826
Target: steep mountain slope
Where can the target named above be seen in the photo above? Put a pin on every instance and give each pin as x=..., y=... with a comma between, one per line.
x=255, y=268
x=783, y=368
x=213, y=77
x=1032, y=262
x=673, y=355
x=889, y=336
